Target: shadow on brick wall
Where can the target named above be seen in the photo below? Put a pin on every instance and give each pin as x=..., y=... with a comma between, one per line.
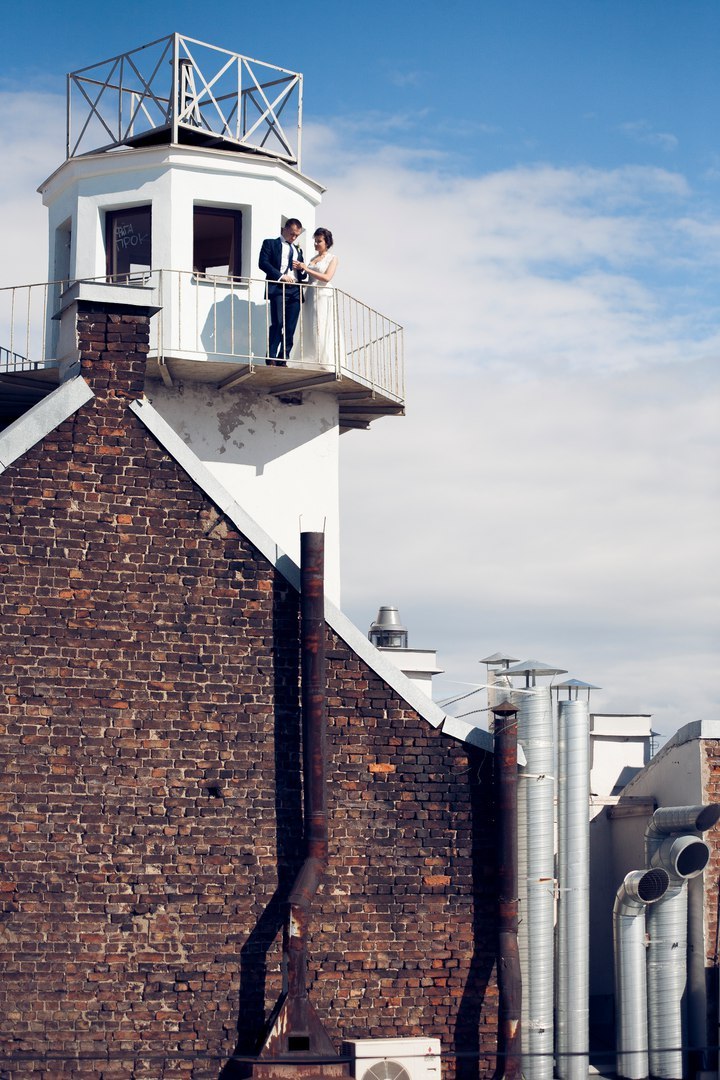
x=288, y=827
x=473, y=1009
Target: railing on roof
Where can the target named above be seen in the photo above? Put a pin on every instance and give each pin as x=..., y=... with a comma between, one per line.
x=223, y=320
x=182, y=90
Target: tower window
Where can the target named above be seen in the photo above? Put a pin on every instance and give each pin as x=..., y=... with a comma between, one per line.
x=128, y=240
x=217, y=241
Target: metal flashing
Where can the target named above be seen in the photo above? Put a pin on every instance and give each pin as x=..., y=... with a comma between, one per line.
x=41, y=419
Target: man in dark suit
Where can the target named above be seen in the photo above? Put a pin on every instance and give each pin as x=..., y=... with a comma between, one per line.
x=283, y=289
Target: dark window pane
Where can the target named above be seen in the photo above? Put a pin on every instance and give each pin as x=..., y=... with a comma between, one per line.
x=128, y=240
x=216, y=241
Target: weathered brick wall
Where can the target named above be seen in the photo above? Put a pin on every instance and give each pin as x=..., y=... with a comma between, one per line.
x=710, y=748
x=151, y=792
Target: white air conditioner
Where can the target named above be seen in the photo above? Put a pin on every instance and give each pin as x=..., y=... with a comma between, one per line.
x=394, y=1059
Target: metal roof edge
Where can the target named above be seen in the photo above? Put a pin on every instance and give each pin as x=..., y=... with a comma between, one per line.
x=42, y=418
x=696, y=729
x=351, y=635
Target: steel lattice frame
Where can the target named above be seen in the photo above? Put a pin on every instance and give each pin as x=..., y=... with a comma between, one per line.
x=178, y=85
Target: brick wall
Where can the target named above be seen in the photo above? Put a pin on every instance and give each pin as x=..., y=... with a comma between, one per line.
x=151, y=793
x=710, y=749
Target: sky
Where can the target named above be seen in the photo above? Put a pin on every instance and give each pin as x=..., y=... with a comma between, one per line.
x=532, y=190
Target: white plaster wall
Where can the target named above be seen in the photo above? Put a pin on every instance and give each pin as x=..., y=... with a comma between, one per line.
x=171, y=180
x=278, y=460
x=673, y=776
x=419, y=665
x=610, y=758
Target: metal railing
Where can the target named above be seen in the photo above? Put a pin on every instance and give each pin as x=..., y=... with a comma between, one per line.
x=180, y=85
x=23, y=325
x=220, y=319
x=229, y=319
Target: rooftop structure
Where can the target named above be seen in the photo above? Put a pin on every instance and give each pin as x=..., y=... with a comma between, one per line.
x=181, y=90
x=390, y=637
x=182, y=160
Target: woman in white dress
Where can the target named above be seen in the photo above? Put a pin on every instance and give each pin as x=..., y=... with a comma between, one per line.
x=320, y=338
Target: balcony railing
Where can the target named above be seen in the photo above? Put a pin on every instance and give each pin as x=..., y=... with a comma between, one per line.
x=219, y=320
x=23, y=326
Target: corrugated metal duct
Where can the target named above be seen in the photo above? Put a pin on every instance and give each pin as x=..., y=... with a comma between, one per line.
x=537, y=858
x=639, y=889
x=684, y=855
x=573, y=1039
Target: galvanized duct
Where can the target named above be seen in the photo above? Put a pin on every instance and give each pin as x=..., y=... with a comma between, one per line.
x=574, y=891
x=561, y=943
x=523, y=904
x=677, y=819
x=639, y=889
x=535, y=733
x=683, y=855
x=667, y=981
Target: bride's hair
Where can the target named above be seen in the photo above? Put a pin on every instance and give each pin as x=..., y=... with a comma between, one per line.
x=326, y=235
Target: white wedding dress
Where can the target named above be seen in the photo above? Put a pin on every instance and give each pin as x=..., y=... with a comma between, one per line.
x=320, y=337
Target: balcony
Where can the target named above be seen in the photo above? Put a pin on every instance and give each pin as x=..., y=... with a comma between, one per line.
x=213, y=330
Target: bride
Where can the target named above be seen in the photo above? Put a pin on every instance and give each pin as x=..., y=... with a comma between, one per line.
x=320, y=336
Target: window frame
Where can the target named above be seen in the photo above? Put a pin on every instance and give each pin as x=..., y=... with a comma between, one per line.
x=111, y=216
x=233, y=212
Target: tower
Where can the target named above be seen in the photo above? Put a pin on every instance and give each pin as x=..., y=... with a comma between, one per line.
x=181, y=158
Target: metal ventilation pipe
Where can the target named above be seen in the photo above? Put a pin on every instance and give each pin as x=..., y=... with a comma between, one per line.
x=294, y=1027
x=508, y=960
x=537, y=786
x=639, y=889
x=573, y=1037
x=683, y=855
x=561, y=943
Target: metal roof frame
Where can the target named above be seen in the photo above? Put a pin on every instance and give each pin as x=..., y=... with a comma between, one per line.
x=209, y=96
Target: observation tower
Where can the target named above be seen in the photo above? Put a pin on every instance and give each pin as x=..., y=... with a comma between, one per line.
x=181, y=159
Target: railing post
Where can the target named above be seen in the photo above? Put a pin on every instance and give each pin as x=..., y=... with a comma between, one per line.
x=175, y=92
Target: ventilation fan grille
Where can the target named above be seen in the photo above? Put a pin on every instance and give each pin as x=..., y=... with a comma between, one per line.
x=386, y=1070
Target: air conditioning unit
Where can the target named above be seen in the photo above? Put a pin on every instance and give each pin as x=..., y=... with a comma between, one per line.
x=394, y=1059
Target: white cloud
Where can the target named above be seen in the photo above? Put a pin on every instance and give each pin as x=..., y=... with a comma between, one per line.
x=640, y=131
x=32, y=134
x=553, y=488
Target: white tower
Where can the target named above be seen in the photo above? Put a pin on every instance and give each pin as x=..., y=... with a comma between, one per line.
x=181, y=159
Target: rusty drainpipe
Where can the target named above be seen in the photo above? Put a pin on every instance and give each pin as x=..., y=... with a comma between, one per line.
x=509, y=1066
x=314, y=720
x=296, y=1032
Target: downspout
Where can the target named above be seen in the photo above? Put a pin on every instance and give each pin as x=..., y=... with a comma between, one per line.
x=639, y=889
x=670, y=844
x=295, y=1029
x=314, y=720
x=509, y=980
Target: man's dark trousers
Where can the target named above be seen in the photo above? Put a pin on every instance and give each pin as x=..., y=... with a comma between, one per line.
x=284, y=303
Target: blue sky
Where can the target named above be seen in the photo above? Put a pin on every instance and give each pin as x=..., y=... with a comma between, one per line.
x=531, y=189
x=492, y=83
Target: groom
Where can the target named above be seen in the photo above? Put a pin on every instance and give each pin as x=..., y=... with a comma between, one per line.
x=283, y=289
